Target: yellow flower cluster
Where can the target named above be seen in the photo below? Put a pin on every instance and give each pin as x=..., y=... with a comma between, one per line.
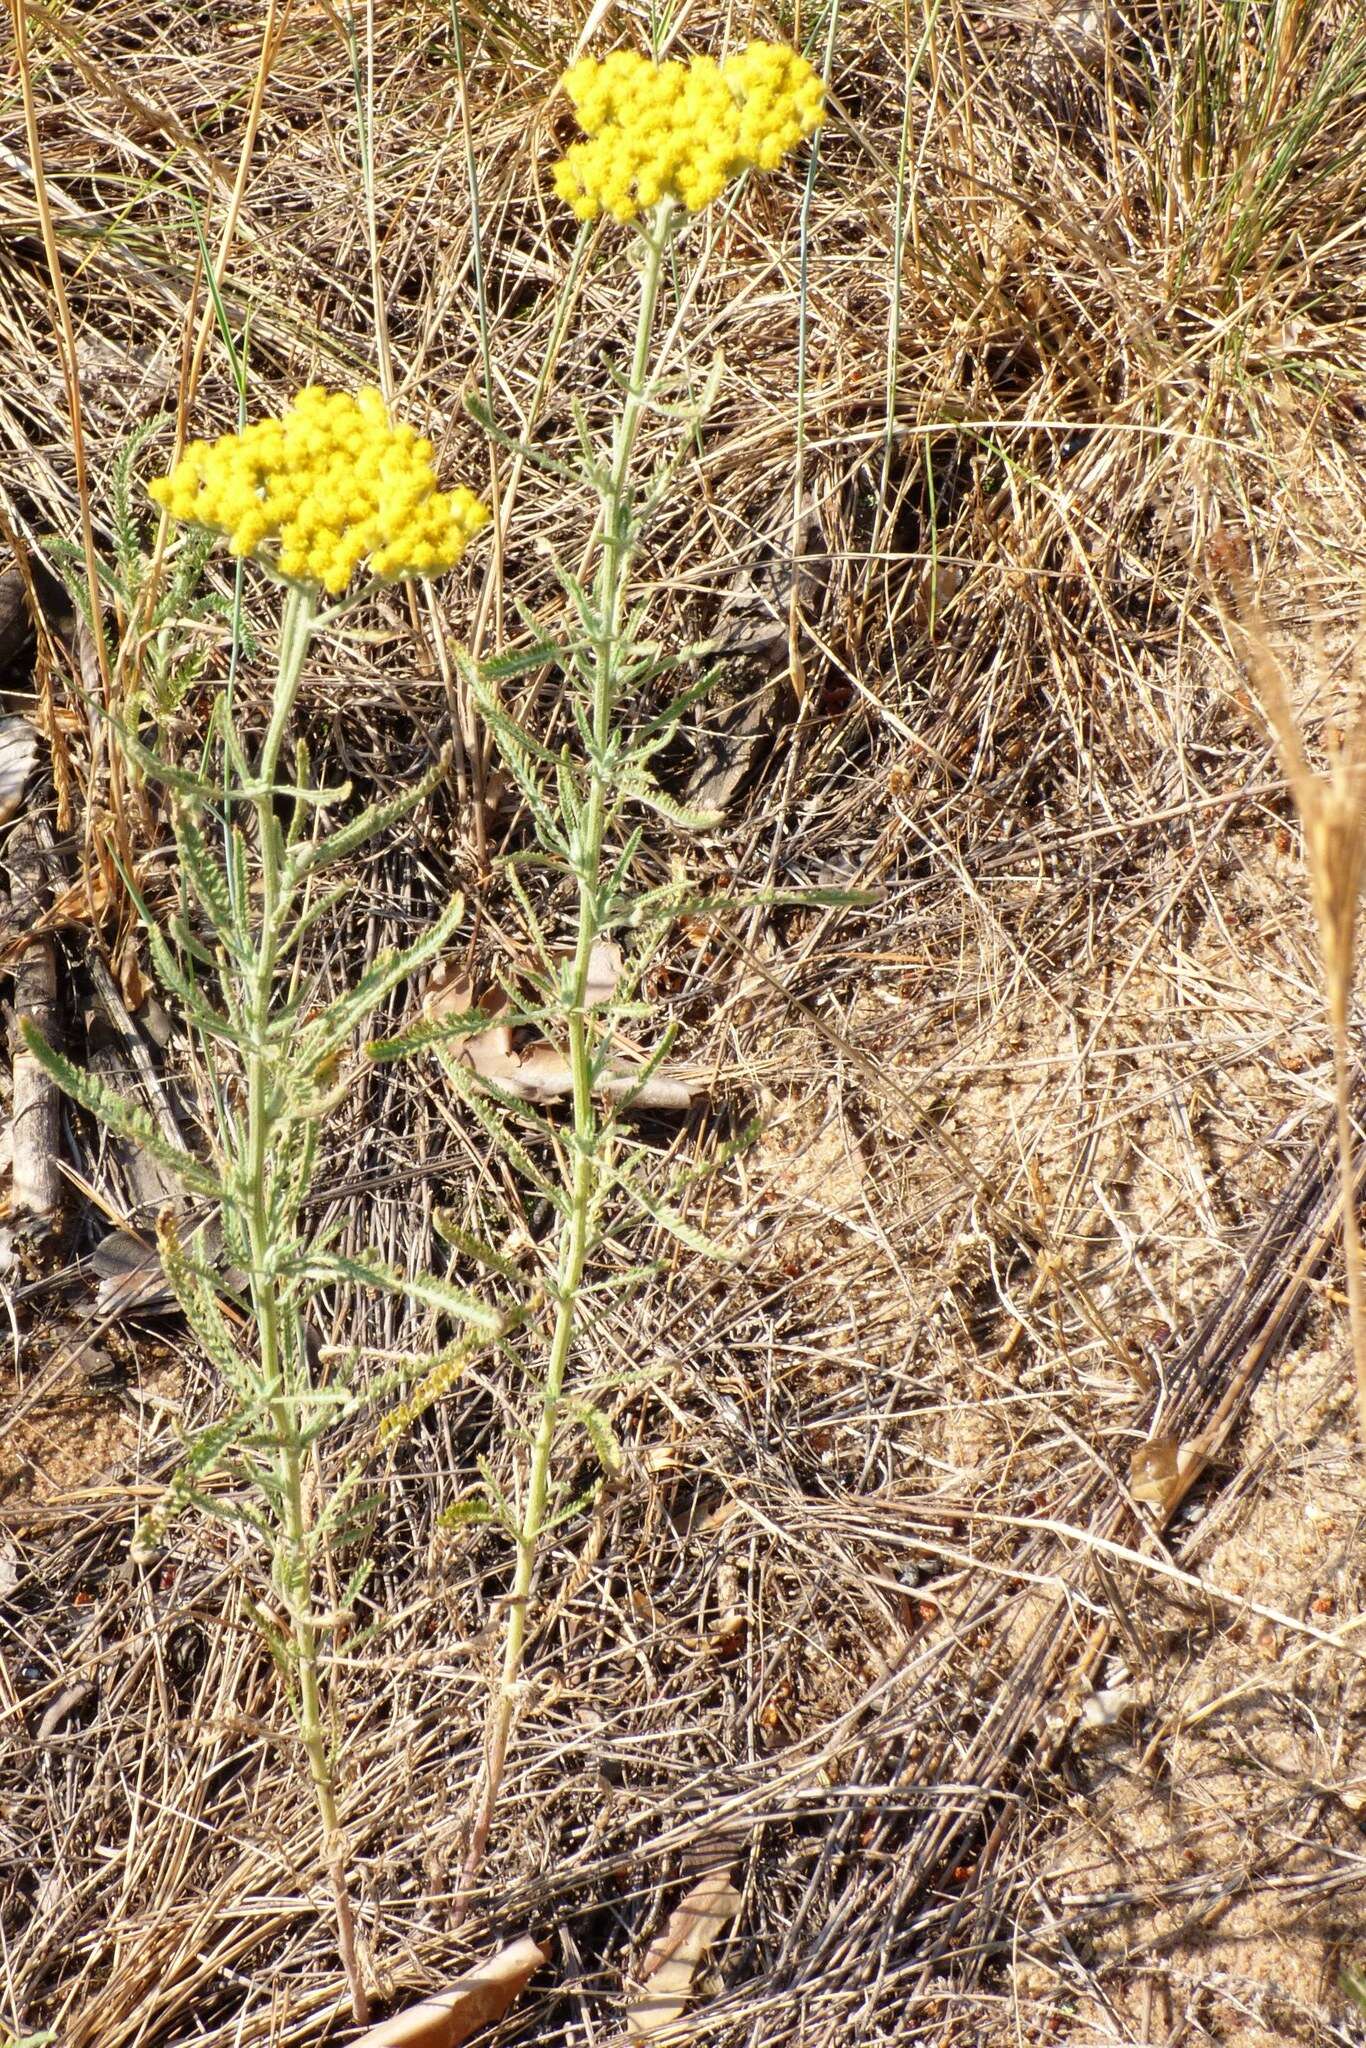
x=682, y=131
x=329, y=486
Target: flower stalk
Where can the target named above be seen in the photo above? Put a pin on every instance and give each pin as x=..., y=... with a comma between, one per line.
x=331, y=501
x=283, y=1352
x=662, y=141
x=590, y=1143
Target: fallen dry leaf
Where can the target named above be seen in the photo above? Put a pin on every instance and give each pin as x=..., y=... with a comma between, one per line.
x=730, y=752
x=672, y=1960
x=449, y=993
x=84, y=902
x=1160, y=1471
x=473, y=2001
x=604, y=970
x=18, y=757
x=536, y=1071
x=128, y=1269
x=540, y=1074
x=80, y=903
x=128, y=969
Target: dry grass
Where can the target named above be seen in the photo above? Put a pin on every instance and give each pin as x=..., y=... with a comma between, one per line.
x=1045, y=1160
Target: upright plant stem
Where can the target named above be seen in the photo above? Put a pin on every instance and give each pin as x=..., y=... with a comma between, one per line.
x=278, y=1333
x=1351, y=1226
x=617, y=538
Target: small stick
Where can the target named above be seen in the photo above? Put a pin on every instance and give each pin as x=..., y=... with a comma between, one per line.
x=37, y=1103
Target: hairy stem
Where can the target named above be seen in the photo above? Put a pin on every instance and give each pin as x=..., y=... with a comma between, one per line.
x=279, y=1332
x=591, y=1136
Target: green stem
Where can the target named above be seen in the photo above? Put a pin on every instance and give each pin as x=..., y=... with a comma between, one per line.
x=618, y=549
x=279, y=1334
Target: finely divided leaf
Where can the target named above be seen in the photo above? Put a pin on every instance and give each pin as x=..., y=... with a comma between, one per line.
x=428, y=1288
x=126, y=1119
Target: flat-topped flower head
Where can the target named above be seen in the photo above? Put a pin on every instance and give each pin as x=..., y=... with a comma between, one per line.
x=682, y=131
x=331, y=486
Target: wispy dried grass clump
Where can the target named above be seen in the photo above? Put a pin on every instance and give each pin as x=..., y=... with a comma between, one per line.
x=1332, y=808
x=1067, y=292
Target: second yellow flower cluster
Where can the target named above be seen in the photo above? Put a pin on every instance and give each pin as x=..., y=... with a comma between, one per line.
x=334, y=484
x=682, y=131
x=329, y=486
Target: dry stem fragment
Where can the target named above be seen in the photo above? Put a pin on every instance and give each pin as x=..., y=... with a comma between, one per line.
x=1332, y=808
x=37, y=1104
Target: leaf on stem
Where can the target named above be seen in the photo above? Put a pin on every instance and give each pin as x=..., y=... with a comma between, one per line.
x=330, y=1031
x=428, y=1288
x=492, y=1107
x=521, y=661
x=669, y=1219
x=480, y=413
x=124, y=1118
x=643, y=789
x=202, y=1312
x=600, y=1433
x=375, y=820
x=471, y=1246
x=202, y=1458
x=440, y=1376
x=475, y=1511
x=206, y=877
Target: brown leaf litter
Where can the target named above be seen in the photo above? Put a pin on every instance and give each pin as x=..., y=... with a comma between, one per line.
x=445, y=2019
x=676, y=1955
x=520, y=1063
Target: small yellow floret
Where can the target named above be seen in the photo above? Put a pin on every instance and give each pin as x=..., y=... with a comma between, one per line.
x=682, y=131
x=322, y=490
